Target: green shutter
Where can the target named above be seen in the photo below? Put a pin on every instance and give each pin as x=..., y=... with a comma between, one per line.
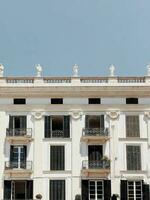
x=66, y=126
x=47, y=123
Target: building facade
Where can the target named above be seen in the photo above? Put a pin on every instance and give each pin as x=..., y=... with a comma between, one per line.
x=70, y=138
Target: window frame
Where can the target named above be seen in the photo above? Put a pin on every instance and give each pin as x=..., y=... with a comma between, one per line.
x=138, y=135
x=140, y=158
x=64, y=157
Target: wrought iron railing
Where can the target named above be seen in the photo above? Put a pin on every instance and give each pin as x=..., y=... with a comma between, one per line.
x=56, y=133
x=97, y=164
x=19, y=132
x=95, y=132
x=26, y=165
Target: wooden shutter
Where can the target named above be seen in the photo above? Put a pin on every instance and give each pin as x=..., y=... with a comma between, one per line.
x=57, y=189
x=11, y=153
x=29, y=189
x=23, y=122
x=123, y=190
x=66, y=126
x=132, y=126
x=7, y=189
x=86, y=121
x=133, y=158
x=107, y=189
x=47, y=123
x=146, y=193
x=102, y=122
x=85, y=190
x=11, y=122
x=57, y=158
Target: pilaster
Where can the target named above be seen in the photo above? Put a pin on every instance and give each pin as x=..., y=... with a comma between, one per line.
x=38, y=152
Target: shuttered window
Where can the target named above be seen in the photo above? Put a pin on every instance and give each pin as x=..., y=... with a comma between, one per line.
x=57, y=158
x=133, y=157
x=132, y=126
x=57, y=189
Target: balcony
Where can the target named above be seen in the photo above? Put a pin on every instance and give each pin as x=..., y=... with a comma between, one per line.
x=19, y=136
x=95, y=169
x=95, y=135
x=18, y=169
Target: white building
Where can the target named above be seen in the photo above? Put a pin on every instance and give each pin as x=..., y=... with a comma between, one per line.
x=66, y=136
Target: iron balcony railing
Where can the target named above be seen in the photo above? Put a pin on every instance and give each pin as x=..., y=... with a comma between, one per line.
x=95, y=132
x=56, y=133
x=26, y=165
x=96, y=164
x=19, y=132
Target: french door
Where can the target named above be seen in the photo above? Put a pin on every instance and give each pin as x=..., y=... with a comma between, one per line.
x=135, y=190
x=18, y=157
x=95, y=153
x=96, y=190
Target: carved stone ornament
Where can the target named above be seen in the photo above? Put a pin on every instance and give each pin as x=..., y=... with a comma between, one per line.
x=113, y=114
x=147, y=114
x=38, y=114
x=76, y=114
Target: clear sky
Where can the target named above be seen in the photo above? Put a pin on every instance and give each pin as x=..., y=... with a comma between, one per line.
x=60, y=33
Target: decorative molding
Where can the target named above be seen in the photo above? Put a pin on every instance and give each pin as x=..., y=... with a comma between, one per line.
x=114, y=114
x=76, y=113
x=38, y=114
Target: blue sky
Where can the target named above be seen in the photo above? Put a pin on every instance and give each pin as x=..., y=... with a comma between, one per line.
x=60, y=33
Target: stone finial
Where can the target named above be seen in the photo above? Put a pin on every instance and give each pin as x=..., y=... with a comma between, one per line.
x=75, y=70
x=1, y=70
x=112, y=70
x=148, y=70
x=38, y=70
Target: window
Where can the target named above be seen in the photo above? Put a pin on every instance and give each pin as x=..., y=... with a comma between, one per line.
x=134, y=189
x=17, y=126
x=57, y=158
x=19, y=101
x=57, y=126
x=94, y=101
x=133, y=157
x=96, y=189
x=57, y=101
x=132, y=126
x=131, y=100
x=94, y=121
x=57, y=189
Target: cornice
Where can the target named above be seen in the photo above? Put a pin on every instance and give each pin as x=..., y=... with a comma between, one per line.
x=74, y=91
x=69, y=107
